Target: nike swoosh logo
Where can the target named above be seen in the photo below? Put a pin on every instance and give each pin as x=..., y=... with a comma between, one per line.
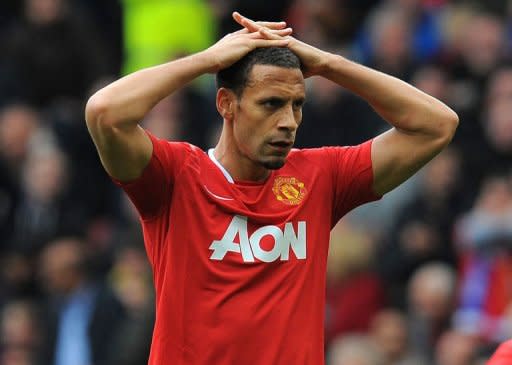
x=215, y=195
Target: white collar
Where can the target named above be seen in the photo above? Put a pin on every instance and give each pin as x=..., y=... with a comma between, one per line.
x=216, y=162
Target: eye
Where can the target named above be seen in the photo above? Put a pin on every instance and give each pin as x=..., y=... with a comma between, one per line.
x=273, y=103
x=297, y=104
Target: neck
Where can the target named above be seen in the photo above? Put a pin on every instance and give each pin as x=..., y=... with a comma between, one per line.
x=237, y=164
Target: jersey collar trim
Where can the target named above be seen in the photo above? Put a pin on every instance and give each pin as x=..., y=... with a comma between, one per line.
x=221, y=168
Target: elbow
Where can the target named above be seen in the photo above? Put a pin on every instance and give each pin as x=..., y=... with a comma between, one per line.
x=95, y=111
x=100, y=114
x=448, y=126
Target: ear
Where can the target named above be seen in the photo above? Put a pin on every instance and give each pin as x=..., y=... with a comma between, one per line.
x=226, y=101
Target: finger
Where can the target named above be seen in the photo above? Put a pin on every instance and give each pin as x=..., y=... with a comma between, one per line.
x=258, y=43
x=266, y=33
x=272, y=25
x=282, y=32
x=272, y=34
x=241, y=31
x=269, y=34
x=254, y=26
x=286, y=31
x=246, y=22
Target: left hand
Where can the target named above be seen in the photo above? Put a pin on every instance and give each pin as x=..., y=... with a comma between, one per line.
x=314, y=61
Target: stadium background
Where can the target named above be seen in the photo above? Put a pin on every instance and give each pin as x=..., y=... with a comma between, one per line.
x=422, y=277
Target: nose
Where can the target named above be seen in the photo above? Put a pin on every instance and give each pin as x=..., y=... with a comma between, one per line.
x=287, y=120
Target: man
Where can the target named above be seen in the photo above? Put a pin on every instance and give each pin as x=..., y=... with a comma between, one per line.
x=238, y=237
x=81, y=315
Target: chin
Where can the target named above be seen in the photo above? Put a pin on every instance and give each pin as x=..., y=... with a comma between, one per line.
x=274, y=164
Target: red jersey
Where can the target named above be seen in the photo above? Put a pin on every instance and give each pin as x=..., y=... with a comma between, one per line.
x=503, y=355
x=239, y=267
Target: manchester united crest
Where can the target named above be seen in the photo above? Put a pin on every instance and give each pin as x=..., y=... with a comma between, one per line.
x=289, y=190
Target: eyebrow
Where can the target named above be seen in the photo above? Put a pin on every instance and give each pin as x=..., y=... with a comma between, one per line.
x=281, y=99
x=272, y=98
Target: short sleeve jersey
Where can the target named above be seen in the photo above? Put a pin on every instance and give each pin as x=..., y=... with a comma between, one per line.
x=239, y=267
x=503, y=355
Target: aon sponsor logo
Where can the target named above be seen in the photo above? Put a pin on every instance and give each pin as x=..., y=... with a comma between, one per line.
x=250, y=247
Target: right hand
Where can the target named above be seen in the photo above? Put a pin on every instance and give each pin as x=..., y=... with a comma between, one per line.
x=313, y=59
x=236, y=45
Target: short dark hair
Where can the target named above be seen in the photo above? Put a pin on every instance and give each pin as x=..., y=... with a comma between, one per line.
x=235, y=77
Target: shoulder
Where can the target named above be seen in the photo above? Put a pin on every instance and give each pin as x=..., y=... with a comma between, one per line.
x=331, y=154
x=310, y=153
x=175, y=152
x=163, y=144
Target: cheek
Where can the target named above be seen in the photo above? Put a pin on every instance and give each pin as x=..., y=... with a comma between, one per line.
x=249, y=134
x=242, y=132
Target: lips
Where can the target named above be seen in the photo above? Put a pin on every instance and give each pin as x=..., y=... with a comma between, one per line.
x=281, y=143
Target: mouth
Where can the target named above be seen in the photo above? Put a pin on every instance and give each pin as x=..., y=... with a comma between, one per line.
x=281, y=144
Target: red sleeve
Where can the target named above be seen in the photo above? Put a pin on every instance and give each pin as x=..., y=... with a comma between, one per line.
x=353, y=177
x=152, y=191
x=503, y=355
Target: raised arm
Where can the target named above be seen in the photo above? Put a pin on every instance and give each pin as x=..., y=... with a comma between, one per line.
x=113, y=113
x=422, y=124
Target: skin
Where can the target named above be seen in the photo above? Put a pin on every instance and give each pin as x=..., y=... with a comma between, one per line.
x=260, y=126
x=421, y=125
x=113, y=113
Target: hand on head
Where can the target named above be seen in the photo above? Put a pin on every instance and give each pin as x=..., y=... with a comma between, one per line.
x=313, y=59
x=236, y=45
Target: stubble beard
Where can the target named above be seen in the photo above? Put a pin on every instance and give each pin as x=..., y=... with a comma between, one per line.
x=273, y=165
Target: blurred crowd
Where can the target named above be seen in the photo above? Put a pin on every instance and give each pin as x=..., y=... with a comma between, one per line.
x=422, y=277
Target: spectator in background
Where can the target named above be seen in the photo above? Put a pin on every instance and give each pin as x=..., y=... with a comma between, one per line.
x=51, y=53
x=484, y=237
x=130, y=278
x=388, y=35
x=44, y=210
x=476, y=46
x=328, y=100
x=353, y=350
x=186, y=115
x=389, y=332
x=497, y=126
x=17, y=357
x=487, y=147
x=433, y=80
x=456, y=348
x=423, y=226
x=382, y=217
x=431, y=295
x=16, y=276
x=81, y=316
x=426, y=17
x=20, y=335
x=349, y=271
x=18, y=125
x=328, y=21
x=106, y=16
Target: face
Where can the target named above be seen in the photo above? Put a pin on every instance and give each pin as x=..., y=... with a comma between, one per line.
x=58, y=266
x=267, y=115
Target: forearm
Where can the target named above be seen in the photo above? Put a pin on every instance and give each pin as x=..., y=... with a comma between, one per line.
x=126, y=101
x=402, y=105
